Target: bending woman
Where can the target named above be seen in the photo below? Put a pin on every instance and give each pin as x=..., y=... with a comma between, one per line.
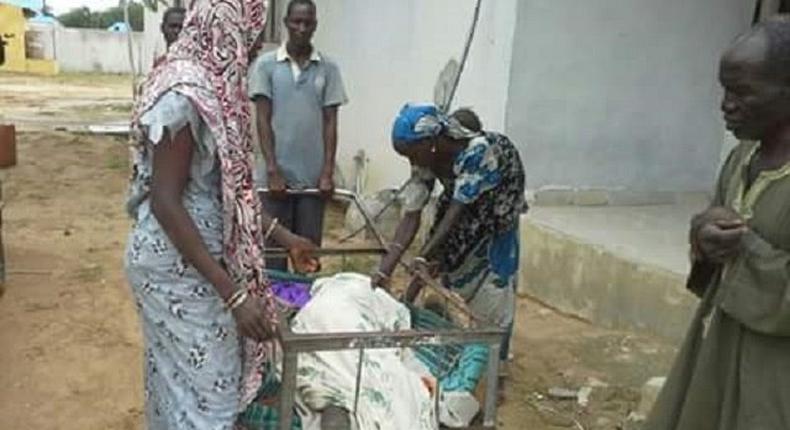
x=473, y=245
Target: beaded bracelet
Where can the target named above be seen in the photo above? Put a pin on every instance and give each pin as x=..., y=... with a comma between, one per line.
x=384, y=278
x=421, y=260
x=240, y=301
x=237, y=299
x=270, y=230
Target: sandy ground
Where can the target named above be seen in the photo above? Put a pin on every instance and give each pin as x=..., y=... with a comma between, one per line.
x=70, y=344
x=64, y=100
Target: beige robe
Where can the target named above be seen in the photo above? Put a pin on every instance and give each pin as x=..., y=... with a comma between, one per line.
x=733, y=371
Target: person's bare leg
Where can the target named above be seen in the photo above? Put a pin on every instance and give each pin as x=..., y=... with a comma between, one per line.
x=308, y=221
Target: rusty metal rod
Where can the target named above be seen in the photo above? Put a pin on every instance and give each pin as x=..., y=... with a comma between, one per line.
x=281, y=252
x=310, y=342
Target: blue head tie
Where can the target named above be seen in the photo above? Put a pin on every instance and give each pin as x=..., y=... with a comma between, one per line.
x=418, y=121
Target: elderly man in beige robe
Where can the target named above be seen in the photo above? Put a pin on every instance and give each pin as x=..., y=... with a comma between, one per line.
x=733, y=371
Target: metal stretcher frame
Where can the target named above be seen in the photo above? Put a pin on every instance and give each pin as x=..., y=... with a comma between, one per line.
x=292, y=343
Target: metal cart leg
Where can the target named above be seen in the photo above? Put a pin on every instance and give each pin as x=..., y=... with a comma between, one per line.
x=288, y=389
x=492, y=383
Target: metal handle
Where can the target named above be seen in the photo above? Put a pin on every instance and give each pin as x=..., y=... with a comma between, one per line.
x=345, y=195
x=381, y=249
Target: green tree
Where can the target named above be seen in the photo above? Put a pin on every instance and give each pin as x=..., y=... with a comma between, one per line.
x=80, y=17
x=83, y=17
x=155, y=4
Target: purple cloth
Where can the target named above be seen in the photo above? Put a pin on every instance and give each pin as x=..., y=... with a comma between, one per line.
x=292, y=293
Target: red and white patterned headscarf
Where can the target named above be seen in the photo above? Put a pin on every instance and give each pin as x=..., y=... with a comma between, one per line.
x=208, y=65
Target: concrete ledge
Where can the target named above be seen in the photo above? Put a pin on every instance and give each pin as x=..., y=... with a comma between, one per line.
x=591, y=282
x=569, y=196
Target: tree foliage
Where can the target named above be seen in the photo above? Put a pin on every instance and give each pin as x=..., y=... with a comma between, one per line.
x=83, y=17
x=154, y=5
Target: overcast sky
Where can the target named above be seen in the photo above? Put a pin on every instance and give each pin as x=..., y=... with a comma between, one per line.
x=60, y=6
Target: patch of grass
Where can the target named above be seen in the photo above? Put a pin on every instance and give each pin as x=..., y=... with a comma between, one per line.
x=93, y=78
x=117, y=161
x=120, y=107
x=90, y=273
x=86, y=79
x=102, y=110
x=358, y=263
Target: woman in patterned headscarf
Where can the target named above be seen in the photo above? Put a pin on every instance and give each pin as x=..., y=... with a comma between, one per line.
x=473, y=244
x=194, y=258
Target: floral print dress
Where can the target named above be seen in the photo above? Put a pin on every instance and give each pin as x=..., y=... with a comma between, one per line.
x=479, y=257
x=192, y=349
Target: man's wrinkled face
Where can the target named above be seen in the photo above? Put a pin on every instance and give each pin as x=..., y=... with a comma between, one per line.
x=756, y=102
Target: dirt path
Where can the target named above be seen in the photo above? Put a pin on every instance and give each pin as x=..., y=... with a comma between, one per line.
x=70, y=355
x=69, y=336
x=68, y=99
